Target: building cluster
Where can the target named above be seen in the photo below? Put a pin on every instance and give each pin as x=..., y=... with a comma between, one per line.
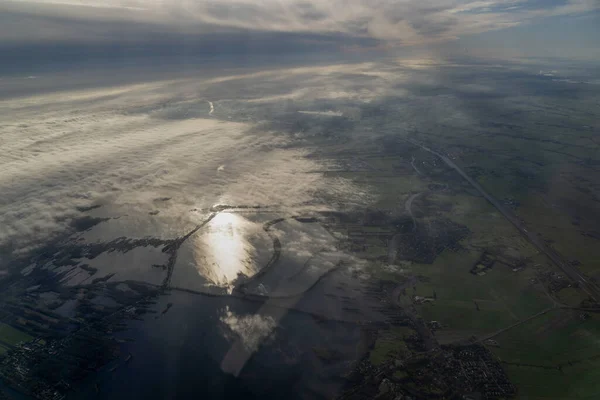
x=450, y=372
x=46, y=370
x=18, y=369
x=556, y=281
x=467, y=370
x=483, y=264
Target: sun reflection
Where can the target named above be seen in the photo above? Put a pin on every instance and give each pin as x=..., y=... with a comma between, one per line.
x=223, y=251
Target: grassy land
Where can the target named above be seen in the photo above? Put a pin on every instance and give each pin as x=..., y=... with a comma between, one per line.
x=571, y=296
x=534, y=351
x=538, y=384
x=12, y=336
x=558, y=337
x=391, y=344
x=476, y=304
x=566, y=237
x=481, y=304
x=467, y=304
x=544, y=173
x=393, y=192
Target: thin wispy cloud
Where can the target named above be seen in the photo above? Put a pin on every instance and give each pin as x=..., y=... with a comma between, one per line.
x=406, y=22
x=124, y=147
x=91, y=4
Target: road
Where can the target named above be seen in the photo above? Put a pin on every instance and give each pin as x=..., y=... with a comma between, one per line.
x=408, y=208
x=498, y=332
x=412, y=162
x=573, y=273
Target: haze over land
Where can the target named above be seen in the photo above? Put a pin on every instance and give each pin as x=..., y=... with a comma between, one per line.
x=350, y=200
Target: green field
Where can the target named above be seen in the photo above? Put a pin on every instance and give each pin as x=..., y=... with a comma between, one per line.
x=514, y=288
x=558, y=337
x=12, y=336
x=391, y=344
x=538, y=384
x=555, y=356
x=567, y=238
x=571, y=296
x=476, y=304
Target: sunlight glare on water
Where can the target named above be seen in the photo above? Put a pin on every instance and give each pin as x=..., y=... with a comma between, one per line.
x=223, y=252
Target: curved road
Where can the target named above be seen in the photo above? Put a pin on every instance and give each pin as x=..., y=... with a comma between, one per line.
x=412, y=162
x=408, y=208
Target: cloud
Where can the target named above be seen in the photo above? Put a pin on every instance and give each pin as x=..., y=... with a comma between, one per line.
x=84, y=3
x=252, y=330
x=398, y=21
x=123, y=147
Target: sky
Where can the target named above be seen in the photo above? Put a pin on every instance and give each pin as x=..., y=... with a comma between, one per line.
x=546, y=28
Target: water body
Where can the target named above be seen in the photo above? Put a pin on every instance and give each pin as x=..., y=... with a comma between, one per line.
x=184, y=353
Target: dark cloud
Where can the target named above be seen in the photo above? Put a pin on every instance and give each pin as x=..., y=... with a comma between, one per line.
x=120, y=42
x=433, y=28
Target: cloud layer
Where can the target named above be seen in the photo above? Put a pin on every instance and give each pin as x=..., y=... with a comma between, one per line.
x=127, y=146
x=398, y=21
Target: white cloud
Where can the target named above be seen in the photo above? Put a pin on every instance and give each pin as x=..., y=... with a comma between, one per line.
x=84, y=3
x=251, y=330
x=400, y=21
x=124, y=148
